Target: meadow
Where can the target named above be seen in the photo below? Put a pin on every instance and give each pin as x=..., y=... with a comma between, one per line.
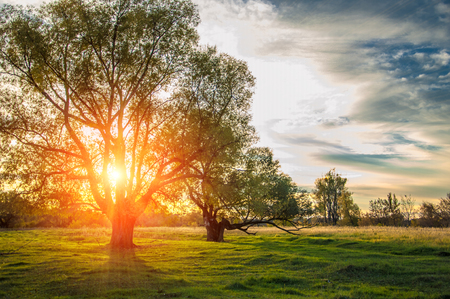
x=323, y=262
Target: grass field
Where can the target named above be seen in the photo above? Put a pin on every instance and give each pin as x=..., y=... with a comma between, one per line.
x=179, y=263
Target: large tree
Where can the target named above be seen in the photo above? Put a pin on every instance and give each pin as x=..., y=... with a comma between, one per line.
x=96, y=91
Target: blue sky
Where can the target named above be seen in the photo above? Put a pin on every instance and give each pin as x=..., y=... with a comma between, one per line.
x=360, y=86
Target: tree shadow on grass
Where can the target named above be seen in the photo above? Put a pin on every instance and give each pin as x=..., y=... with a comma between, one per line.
x=122, y=275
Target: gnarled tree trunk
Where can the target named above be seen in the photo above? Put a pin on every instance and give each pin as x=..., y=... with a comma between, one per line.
x=122, y=231
x=214, y=229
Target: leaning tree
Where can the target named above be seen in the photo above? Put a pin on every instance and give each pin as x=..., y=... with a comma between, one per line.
x=253, y=191
x=95, y=91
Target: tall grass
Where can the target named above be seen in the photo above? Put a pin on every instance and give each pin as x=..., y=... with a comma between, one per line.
x=413, y=235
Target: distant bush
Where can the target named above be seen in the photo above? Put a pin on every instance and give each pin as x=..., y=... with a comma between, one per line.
x=13, y=209
x=163, y=218
x=435, y=215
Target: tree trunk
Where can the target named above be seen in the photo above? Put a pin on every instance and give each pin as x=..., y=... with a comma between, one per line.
x=334, y=209
x=214, y=229
x=122, y=231
x=328, y=212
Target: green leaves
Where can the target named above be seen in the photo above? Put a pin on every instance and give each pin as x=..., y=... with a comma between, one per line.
x=334, y=200
x=261, y=189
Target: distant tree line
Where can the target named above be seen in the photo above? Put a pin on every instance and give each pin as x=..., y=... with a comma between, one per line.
x=18, y=211
x=330, y=203
x=334, y=206
x=394, y=212
x=25, y=211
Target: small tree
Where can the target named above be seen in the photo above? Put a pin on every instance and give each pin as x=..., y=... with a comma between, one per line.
x=392, y=207
x=435, y=215
x=349, y=211
x=377, y=212
x=329, y=190
x=444, y=210
x=407, y=206
x=386, y=211
x=429, y=215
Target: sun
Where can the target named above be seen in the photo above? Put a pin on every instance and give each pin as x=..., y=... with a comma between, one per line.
x=115, y=175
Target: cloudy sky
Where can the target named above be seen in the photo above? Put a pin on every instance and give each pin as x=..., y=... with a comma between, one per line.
x=357, y=85
x=360, y=86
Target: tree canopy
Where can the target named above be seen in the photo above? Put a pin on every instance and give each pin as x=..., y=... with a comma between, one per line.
x=335, y=200
x=251, y=191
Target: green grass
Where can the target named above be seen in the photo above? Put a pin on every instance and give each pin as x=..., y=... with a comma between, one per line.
x=179, y=263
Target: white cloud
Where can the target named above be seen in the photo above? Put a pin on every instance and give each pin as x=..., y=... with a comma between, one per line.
x=234, y=26
x=23, y=2
x=398, y=55
x=418, y=56
x=442, y=58
x=288, y=85
x=444, y=11
x=445, y=78
x=442, y=8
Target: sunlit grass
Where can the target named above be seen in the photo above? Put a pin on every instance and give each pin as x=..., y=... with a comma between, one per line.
x=178, y=263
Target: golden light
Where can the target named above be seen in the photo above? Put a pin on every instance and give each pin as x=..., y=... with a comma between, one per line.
x=115, y=175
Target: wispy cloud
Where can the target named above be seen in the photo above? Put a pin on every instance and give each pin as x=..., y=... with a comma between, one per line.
x=398, y=138
x=394, y=52
x=313, y=141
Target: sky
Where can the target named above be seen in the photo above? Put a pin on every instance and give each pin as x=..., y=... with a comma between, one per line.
x=357, y=85
x=360, y=86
